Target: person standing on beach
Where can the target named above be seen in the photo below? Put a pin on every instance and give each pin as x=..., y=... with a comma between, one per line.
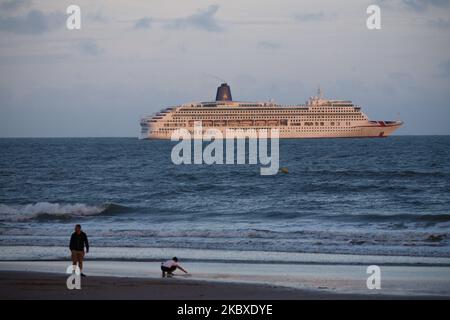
x=78, y=241
x=170, y=266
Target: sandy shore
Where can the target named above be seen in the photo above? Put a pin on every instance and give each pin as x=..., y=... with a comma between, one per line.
x=221, y=280
x=36, y=285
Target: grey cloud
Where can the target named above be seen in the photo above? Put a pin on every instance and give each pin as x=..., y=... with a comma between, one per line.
x=13, y=5
x=143, y=23
x=268, y=45
x=400, y=76
x=33, y=59
x=203, y=19
x=439, y=24
x=384, y=3
x=34, y=22
x=423, y=5
x=444, y=69
x=89, y=47
x=312, y=16
x=97, y=17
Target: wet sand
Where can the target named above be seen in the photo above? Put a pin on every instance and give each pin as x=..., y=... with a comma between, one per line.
x=43, y=286
x=33, y=285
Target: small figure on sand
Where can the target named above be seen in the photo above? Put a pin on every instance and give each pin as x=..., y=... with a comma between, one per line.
x=170, y=266
x=78, y=241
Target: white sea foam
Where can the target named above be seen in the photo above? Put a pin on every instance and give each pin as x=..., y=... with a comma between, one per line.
x=47, y=210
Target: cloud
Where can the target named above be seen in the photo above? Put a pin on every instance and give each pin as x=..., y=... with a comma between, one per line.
x=401, y=76
x=439, y=24
x=268, y=45
x=143, y=23
x=89, y=47
x=97, y=17
x=423, y=5
x=444, y=69
x=313, y=16
x=202, y=19
x=33, y=58
x=34, y=22
x=13, y=5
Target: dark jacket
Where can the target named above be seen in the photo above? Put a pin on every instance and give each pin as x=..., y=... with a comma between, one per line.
x=79, y=241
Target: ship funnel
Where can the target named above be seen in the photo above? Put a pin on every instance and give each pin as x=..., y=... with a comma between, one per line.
x=223, y=93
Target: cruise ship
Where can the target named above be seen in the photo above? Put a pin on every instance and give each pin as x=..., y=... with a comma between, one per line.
x=317, y=118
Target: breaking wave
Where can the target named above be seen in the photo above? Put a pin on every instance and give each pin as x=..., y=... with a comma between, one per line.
x=46, y=211
x=403, y=217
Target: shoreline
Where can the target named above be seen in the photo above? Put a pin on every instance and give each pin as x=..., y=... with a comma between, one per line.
x=13, y=253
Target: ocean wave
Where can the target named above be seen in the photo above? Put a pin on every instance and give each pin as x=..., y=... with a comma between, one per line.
x=377, y=173
x=401, y=217
x=46, y=211
x=201, y=233
x=267, y=236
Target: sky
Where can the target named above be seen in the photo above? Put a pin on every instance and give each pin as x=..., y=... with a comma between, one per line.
x=133, y=58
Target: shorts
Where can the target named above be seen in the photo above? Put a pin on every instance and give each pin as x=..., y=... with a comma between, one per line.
x=165, y=269
x=77, y=256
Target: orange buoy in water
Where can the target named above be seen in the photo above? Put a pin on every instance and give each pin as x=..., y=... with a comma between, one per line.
x=284, y=170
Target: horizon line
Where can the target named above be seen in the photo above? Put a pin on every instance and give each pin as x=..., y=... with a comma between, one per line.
x=137, y=137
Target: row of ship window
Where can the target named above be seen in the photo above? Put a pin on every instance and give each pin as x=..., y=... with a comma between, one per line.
x=307, y=124
x=262, y=111
x=263, y=118
x=282, y=122
x=281, y=130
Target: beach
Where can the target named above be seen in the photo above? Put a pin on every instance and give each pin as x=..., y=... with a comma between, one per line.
x=221, y=280
x=51, y=286
x=33, y=285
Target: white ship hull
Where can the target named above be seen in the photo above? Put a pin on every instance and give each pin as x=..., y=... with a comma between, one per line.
x=369, y=131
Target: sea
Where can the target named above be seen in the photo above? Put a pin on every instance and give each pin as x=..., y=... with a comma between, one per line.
x=378, y=197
